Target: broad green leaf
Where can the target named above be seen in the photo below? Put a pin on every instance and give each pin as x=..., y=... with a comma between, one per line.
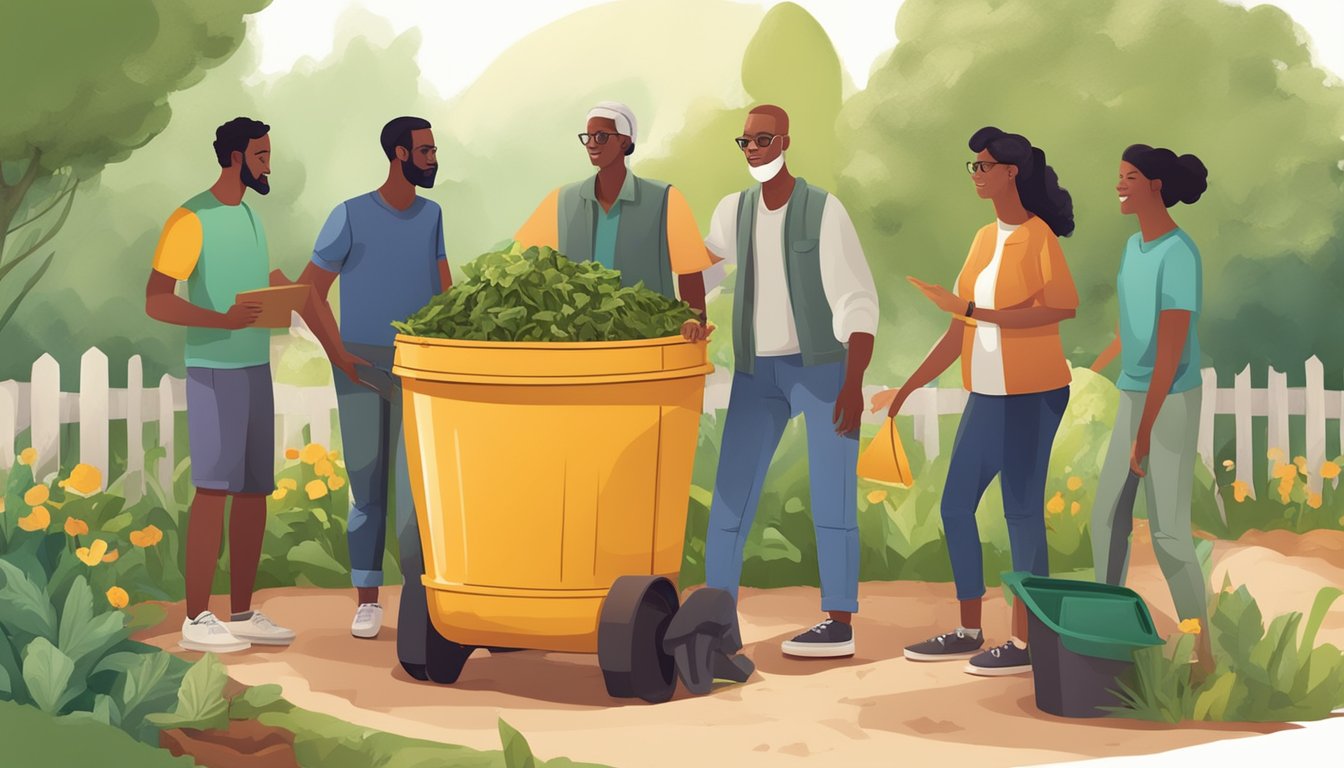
x=200, y=699
x=46, y=672
x=23, y=604
x=517, y=752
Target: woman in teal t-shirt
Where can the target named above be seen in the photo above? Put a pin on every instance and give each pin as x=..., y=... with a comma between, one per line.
x=1160, y=288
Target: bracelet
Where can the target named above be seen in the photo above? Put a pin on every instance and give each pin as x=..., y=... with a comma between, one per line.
x=970, y=308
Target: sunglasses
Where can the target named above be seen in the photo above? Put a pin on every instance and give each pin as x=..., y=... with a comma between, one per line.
x=762, y=140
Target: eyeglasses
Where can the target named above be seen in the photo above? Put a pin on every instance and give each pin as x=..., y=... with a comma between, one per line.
x=762, y=140
x=980, y=166
x=600, y=138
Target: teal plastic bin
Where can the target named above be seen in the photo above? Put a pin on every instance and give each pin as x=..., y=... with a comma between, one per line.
x=1082, y=637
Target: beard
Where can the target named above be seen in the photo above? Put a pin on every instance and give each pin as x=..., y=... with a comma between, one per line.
x=258, y=183
x=420, y=177
x=764, y=173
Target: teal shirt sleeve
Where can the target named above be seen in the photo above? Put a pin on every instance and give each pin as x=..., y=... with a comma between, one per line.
x=1178, y=286
x=334, y=241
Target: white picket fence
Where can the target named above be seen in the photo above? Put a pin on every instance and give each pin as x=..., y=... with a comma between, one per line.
x=40, y=407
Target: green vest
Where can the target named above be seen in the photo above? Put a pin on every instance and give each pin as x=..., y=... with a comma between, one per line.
x=641, y=239
x=802, y=269
x=233, y=259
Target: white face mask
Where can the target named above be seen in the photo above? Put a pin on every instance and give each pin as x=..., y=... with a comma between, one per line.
x=770, y=170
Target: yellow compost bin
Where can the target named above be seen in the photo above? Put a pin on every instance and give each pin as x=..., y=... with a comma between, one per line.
x=543, y=475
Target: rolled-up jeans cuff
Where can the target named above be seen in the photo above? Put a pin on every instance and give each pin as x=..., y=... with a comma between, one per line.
x=839, y=604
x=366, y=578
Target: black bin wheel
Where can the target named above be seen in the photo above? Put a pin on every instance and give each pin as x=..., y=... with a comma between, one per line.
x=444, y=659
x=634, y=620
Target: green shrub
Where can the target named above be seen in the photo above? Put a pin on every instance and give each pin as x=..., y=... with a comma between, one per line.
x=1262, y=674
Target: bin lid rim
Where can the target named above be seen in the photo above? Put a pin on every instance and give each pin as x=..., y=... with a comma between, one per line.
x=662, y=341
x=1016, y=582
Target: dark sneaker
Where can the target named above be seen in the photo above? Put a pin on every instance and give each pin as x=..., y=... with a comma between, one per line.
x=1007, y=659
x=948, y=647
x=827, y=640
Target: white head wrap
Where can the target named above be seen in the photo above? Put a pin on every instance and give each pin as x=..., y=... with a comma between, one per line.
x=617, y=113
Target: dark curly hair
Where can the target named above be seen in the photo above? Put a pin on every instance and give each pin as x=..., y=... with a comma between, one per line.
x=1037, y=184
x=397, y=133
x=234, y=135
x=1183, y=178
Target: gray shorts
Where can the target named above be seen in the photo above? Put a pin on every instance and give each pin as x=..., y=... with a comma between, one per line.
x=231, y=423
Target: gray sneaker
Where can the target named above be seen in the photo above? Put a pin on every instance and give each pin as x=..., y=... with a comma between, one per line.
x=1006, y=659
x=827, y=640
x=946, y=647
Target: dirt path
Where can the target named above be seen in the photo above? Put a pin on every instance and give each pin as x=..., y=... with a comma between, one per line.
x=874, y=709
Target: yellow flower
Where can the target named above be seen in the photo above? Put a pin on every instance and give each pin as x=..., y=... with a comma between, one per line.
x=37, y=496
x=1286, y=487
x=75, y=527
x=877, y=497
x=1075, y=509
x=1056, y=504
x=1240, y=491
x=84, y=480
x=1275, y=454
x=1229, y=464
x=1282, y=471
x=315, y=489
x=112, y=556
x=1301, y=462
x=1314, y=500
x=279, y=494
x=334, y=455
x=1329, y=470
x=147, y=536
x=2, y=505
x=287, y=483
x=92, y=554
x=1191, y=627
x=28, y=456
x=37, y=520
x=336, y=482
x=118, y=598
x=312, y=453
x=1075, y=483
x=323, y=467
x=291, y=453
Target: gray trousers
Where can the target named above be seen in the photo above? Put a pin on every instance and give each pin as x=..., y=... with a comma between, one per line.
x=1168, y=485
x=375, y=452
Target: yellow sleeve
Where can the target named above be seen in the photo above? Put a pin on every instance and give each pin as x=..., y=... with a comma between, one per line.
x=543, y=227
x=685, y=247
x=179, y=246
x=1058, y=290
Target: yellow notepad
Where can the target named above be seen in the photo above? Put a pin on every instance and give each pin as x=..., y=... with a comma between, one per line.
x=884, y=460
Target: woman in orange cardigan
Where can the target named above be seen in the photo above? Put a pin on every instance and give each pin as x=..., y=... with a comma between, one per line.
x=1012, y=294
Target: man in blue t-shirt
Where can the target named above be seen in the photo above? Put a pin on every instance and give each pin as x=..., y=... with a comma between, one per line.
x=387, y=248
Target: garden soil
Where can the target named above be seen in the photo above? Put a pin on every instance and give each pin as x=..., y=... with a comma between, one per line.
x=873, y=709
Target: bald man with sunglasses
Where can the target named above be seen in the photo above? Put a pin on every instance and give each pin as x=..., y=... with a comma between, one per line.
x=643, y=228
x=805, y=315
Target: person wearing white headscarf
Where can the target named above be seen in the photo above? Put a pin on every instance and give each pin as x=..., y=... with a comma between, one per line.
x=641, y=227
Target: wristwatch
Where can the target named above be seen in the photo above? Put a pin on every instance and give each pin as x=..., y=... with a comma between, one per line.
x=970, y=308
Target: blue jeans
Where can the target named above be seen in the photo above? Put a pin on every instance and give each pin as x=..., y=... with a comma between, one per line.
x=759, y=407
x=371, y=436
x=1009, y=436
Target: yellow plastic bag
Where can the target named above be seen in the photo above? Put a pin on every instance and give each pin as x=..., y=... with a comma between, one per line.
x=884, y=461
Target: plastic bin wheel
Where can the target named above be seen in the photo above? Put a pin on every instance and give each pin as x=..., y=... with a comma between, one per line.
x=444, y=658
x=634, y=621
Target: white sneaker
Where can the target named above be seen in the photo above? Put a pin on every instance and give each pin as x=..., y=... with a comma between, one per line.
x=261, y=630
x=368, y=620
x=207, y=634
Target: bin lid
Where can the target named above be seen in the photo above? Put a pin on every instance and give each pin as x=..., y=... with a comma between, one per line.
x=1097, y=620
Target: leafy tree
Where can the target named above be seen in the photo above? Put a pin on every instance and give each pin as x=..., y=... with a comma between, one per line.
x=1236, y=87
x=85, y=84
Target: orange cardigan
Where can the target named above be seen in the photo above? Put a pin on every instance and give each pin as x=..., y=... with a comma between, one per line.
x=1033, y=274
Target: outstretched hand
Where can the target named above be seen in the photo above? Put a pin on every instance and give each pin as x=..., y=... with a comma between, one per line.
x=940, y=296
